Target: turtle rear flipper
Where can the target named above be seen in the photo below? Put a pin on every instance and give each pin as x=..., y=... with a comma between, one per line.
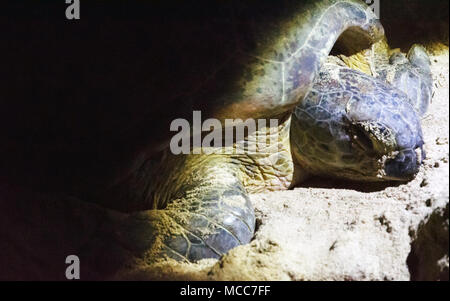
x=208, y=218
x=206, y=230
x=206, y=211
x=206, y=224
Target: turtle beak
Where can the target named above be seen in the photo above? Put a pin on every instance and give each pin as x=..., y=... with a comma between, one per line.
x=405, y=165
x=393, y=129
x=404, y=160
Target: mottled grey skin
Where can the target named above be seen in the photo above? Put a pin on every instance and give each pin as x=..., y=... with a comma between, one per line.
x=354, y=126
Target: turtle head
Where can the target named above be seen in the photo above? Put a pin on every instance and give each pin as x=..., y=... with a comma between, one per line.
x=387, y=137
x=369, y=135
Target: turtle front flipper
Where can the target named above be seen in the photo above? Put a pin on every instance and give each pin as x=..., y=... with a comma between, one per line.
x=204, y=211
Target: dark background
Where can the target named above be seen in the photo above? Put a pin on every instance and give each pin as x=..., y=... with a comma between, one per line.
x=415, y=21
x=60, y=78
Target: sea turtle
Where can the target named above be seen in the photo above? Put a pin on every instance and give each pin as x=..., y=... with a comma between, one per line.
x=92, y=174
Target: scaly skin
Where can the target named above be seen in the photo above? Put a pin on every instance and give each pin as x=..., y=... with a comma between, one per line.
x=205, y=197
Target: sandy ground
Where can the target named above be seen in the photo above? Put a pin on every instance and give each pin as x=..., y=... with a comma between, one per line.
x=328, y=230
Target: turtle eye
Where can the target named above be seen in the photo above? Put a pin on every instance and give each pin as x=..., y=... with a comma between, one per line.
x=362, y=139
